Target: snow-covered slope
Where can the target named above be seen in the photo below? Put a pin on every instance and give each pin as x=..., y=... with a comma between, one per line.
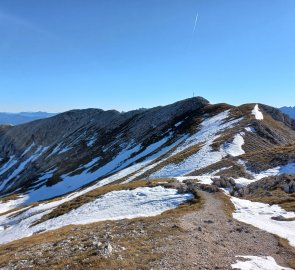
x=140, y=202
x=55, y=156
x=85, y=166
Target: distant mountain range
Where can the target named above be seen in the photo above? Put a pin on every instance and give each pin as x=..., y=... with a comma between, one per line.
x=22, y=117
x=289, y=111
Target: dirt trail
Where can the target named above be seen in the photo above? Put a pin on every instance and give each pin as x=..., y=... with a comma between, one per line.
x=210, y=239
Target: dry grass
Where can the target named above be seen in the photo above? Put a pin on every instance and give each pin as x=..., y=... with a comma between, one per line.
x=228, y=206
x=9, y=198
x=285, y=244
x=11, y=211
x=94, y=194
x=228, y=168
x=269, y=158
x=277, y=196
x=139, y=248
x=138, y=252
x=91, y=196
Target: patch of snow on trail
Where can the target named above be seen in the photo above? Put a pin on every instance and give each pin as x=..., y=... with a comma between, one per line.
x=204, y=179
x=140, y=202
x=258, y=263
x=243, y=182
x=260, y=215
x=257, y=113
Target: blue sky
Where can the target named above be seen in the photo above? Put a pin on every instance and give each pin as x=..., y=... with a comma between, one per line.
x=62, y=54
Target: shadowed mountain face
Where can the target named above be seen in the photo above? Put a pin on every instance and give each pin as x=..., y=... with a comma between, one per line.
x=54, y=156
x=23, y=117
x=289, y=111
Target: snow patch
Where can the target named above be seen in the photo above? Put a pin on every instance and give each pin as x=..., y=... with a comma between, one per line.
x=10, y=163
x=22, y=166
x=243, y=182
x=257, y=113
x=9, y=205
x=250, y=129
x=91, y=141
x=64, y=150
x=235, y=148
x=54, y=151
x=201, y=179
x=28, y=149
x=140, y=202
x=149, y=163
x=178, y=124
x=258, y=263
x=210, y=129
x=288, y=169
x=260, y=215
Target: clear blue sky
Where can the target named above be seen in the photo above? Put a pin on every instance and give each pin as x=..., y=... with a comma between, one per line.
x=61, y=54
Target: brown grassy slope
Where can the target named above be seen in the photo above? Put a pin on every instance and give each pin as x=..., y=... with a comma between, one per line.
x=94, y=194
x=271, y=144
x=276, y=196
x=285, y=244
x=71, y=247
x=269, y=158
x=228, y=167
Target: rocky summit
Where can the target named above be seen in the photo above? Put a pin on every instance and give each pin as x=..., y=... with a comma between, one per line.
x=191, y=185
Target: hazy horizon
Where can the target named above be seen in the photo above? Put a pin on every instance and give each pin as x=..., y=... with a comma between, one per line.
x=135, y=108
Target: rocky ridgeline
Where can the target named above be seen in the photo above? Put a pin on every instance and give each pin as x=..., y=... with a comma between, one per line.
x=72, y=139
x=285, y=182
x=47, y=151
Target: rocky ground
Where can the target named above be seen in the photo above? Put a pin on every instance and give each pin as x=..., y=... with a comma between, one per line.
x=200, y=236
x=211, y=239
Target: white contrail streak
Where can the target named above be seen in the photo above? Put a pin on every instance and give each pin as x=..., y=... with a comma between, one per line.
x=196, y=22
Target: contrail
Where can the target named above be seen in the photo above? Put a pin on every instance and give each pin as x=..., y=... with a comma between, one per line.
x=193, y=33
x=196, y=22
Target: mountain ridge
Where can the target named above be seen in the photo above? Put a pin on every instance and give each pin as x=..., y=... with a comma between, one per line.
x=289, y=111
x=22, y=117
x=100, y=139
x=218, y=177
